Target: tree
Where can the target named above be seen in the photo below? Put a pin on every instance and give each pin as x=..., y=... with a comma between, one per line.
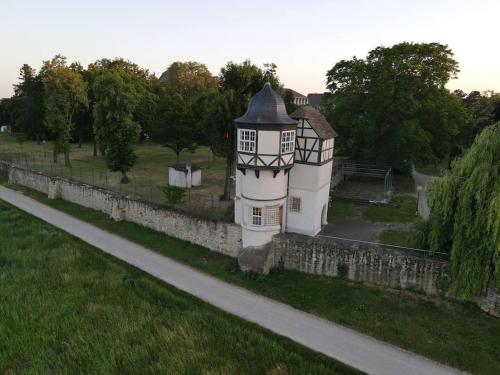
x=145, y=84
x=465, y=216
x=114, y=127
x=288, y=98
x=175, y=127
x=237, y=84
x=27, y=104
x=189, y=79
x=6, y=116
x=393, y=108
x=65, y=93
x=482, y=108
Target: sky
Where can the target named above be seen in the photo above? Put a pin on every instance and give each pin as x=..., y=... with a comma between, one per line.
x=303, y=38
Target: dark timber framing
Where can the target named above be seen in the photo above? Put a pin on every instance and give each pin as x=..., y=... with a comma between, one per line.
x=305, y=152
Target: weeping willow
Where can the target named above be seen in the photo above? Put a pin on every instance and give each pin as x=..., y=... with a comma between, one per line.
x=465, y=216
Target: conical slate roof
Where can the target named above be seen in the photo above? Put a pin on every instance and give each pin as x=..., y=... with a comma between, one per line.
x=266, y=108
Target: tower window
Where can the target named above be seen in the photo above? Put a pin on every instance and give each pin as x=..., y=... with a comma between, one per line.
x=257, y=216
x=287, y=141
x=272, y=215
x=246, y=140
x=295, y=204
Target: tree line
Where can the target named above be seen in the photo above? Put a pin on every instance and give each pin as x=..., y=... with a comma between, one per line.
x=116, y=103
x=393, y=108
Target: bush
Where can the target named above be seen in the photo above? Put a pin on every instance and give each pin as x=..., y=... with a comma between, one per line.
x=172, y=195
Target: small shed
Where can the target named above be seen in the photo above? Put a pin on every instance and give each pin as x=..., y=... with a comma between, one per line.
x=184, y=175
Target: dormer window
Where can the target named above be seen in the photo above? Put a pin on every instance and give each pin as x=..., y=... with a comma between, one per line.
x=246, y=140
x=287, y=141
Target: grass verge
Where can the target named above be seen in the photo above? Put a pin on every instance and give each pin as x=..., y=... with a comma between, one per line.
x=394, y=237
x=69, y=308
x=457, y=334
x=401, y=209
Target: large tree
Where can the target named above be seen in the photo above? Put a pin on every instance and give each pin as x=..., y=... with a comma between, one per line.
x=65, y=93
x=114, y=127
x=190, y=79
x=175, y=127
x=237, y=84
x=465, y=216
x=145, y=85
x=27, y=102
x=393, y=107
x=484, y=110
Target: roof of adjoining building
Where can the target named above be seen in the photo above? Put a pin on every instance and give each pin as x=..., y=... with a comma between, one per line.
x=266, y=108
x=314, y=99
x=318, y=122
x=296, y=94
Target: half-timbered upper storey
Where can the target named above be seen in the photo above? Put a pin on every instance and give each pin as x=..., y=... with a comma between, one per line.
x=265, y=133
x=315, y=137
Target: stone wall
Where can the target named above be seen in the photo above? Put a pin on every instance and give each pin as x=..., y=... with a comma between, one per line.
x=215, y=235
x=369, y=263
x=360, y=262
x=490, y=302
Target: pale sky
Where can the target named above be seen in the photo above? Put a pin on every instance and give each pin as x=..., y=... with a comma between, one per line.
x=304, y=38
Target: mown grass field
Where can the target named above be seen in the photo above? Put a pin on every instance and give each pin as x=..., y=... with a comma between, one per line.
x=148, y=175
x=458, y=334
x=67, y=308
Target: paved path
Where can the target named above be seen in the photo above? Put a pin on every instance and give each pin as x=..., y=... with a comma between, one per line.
x=422, y=180
x=335, y=341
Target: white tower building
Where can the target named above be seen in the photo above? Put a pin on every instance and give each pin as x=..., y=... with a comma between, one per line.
x=309, y=184
x=265, y=149
x=274, y=194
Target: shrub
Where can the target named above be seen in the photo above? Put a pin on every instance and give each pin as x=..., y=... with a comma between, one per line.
x=172, y=195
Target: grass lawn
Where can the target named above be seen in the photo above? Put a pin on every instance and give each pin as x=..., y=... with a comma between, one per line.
x=458, y=334
x=66, y=307
x=149, y=173
x=394, y=237
x=400, y=210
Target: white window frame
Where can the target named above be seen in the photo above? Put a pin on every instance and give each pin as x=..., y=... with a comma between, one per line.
x=246, y=140
x=257, y=216
x=295, y=204
x=287, y=141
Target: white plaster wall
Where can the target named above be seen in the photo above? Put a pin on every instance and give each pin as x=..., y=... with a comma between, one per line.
x=253, y=235
x=310, y=177
x=265, y=187
x=311, y=184
x=178, y=178
x=196, y=178
x=268, y=142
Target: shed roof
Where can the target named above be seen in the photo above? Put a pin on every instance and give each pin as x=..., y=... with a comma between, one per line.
x=318, y=122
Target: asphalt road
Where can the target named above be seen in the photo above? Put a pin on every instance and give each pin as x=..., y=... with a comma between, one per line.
x=335, y=341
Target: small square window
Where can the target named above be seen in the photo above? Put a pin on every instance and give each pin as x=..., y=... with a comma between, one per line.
x=295, y=204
